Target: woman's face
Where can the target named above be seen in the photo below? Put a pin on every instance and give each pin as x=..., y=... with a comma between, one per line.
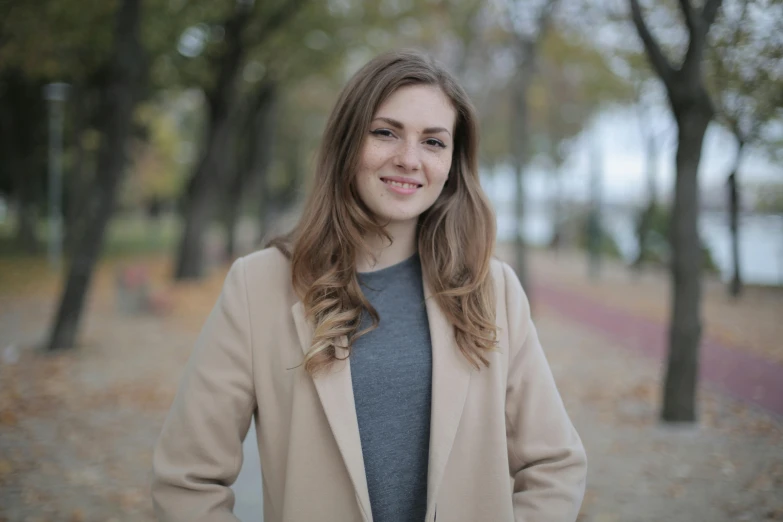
x=406, y=156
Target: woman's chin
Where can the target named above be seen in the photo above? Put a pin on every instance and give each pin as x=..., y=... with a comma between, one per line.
x=397, y=218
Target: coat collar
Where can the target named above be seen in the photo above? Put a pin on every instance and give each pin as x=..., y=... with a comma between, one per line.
x=450, y=380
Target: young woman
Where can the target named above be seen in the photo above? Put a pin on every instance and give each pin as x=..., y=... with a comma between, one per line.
x=389, y=362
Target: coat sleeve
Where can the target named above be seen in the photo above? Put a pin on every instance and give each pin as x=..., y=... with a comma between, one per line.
x=547, y=461
x=198, y=454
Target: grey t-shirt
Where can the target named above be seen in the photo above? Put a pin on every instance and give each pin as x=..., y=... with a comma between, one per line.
x=391, y=370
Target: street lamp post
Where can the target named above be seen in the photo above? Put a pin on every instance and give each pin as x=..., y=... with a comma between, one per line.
x=55, y=94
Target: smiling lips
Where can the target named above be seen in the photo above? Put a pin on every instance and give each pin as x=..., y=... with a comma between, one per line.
x=401, y=185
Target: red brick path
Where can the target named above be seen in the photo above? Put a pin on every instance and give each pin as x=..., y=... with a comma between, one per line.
x=744, y=375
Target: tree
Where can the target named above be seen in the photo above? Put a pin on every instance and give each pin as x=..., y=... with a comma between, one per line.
x=321, y=42
x=693, y=110
x=646, y=102
x=574, y=82
x=254, y=155
x=42, y=42
x=748, y=92
x=65, y=41
x=203, y=192
x=22, y=152
x=126, y=67
x=529, y=27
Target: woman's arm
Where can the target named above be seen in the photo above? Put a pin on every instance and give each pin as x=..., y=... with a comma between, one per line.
x=546, y=457
x=199, y=452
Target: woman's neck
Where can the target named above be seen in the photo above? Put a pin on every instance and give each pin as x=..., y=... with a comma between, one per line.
x=404, y=245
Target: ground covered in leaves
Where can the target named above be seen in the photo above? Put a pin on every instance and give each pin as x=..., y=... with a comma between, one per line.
x=77, y=428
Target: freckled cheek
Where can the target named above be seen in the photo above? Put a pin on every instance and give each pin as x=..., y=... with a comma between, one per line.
x=373, y=157
x=439, y=170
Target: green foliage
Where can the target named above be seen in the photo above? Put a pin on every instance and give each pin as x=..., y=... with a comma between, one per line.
x=308, y=58
x=156, y=172
x=654, y=221
x=132, y=235
x=768, y=197
x=743, y=72
x=589, y=227
x=574, y=82
x=57, y=39
x=68, y=41
x=128, y=234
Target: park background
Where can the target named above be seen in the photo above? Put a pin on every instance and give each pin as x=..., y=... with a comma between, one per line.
x=145, y=144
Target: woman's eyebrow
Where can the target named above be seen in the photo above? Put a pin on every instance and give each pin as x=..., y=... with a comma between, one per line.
x=398, y=125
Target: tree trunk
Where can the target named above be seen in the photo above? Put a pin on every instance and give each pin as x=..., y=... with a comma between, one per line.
x=651, y=167
x=26, y=235
x=557, y=210
x=119, y=99
x=233, y=203
x=526, y=49
x=266, y=122
x=272, y=204
x=198, y=214
x=692, y=108
x=78, y=179
x=519, y=153
x=645, y=221
x=256, y=155
x=595, y=237
x=735, y=285
x=22, y=124
x=25, y=168
x=204, y=192
x=679, y=404
x=231, y=220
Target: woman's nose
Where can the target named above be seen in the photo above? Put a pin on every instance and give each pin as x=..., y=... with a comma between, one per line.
x=408, y=157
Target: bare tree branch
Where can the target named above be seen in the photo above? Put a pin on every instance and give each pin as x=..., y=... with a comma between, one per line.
x=698, y=37
x=690, y=17
x=721, y=77
x=527, y=44
x=545, y=18
x=538, y=28
x=651, y=46
x=276, y=19
x=709, y=12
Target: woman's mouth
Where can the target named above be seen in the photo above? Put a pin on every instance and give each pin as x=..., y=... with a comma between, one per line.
x=397, y=186
x=401, y=187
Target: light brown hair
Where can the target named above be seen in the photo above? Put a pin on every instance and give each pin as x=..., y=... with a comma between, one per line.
x=456, y=236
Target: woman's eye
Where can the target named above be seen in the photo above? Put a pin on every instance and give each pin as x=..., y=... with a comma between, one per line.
x=435, y=143
x=382, y=132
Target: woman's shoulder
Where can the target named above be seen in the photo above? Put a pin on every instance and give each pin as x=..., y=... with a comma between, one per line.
x=496, y=268
x=507, y=283
x=269, y=269
x=500, y=273
x=503, y=273
x=267, y=259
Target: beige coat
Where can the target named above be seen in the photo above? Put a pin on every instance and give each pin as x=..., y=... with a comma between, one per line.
x=502, y=447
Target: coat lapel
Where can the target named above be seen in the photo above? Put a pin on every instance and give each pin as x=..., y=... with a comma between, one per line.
x=336, y=393
x=450, y=380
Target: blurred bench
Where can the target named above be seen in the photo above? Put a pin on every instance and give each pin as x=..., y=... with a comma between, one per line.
x=135, y=294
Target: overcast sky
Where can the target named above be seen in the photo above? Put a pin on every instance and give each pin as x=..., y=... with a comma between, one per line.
x=621, y=148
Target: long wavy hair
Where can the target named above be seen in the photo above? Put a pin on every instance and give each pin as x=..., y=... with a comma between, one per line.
x=456, y=236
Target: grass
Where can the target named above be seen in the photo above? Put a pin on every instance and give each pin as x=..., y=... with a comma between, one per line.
x=126, y=236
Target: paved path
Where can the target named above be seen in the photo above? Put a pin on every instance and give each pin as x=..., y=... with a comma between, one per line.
x=743, y=375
